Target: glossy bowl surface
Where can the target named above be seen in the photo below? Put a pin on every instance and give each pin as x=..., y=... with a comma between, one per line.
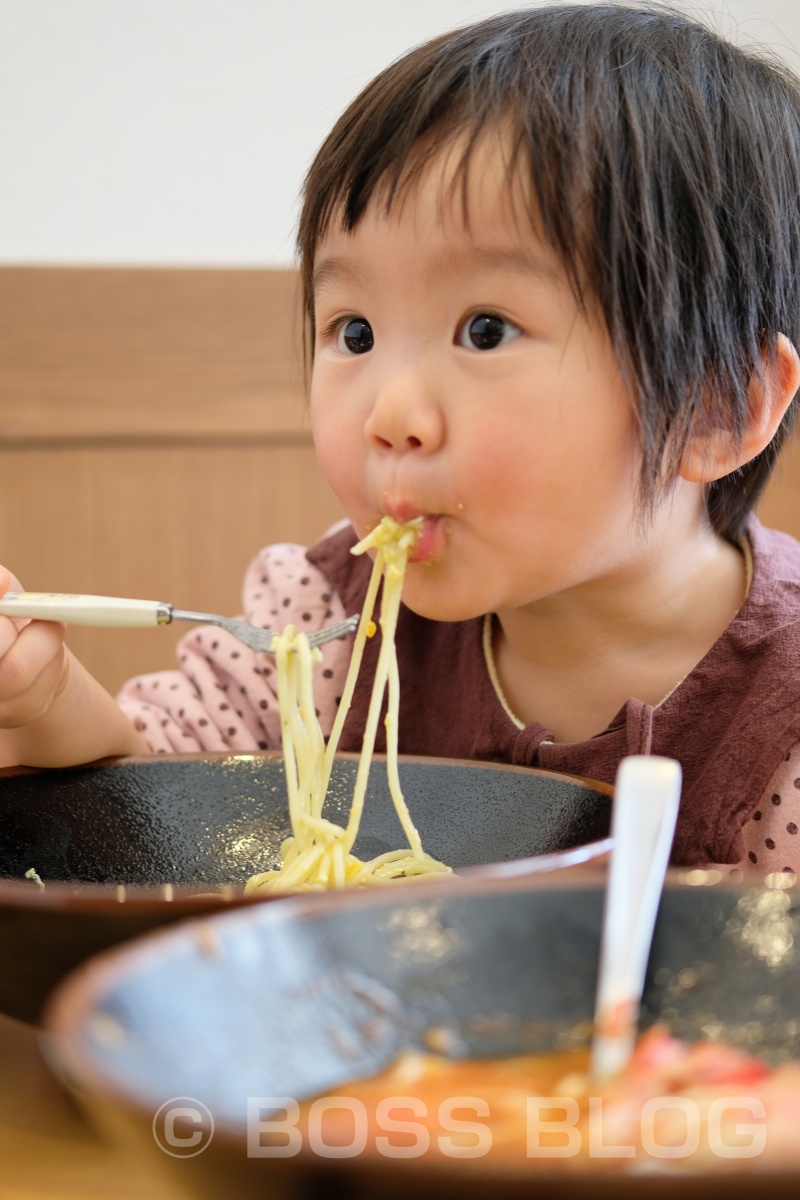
x=242, y=1012
x=128, y=845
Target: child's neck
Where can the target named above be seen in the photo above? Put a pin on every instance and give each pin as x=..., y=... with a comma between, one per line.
x=571, y=661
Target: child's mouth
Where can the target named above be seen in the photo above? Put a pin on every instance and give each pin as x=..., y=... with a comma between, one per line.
x=430, y=543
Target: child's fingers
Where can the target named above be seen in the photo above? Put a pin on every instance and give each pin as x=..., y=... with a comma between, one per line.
x=32, y=670
x=10, y=629
x=8, y=582
x=25, y=654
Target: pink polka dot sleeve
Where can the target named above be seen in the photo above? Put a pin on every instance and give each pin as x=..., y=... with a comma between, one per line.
x=224, y=696
x=772, y=835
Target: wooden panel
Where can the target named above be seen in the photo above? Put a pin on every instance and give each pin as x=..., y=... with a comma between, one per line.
x=153, y=436
x=174, y=523
x=780, y=507
x=186, y=354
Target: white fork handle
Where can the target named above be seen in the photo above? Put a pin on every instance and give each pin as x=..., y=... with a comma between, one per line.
x=100, y=611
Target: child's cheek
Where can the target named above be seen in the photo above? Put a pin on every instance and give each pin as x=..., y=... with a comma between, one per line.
x=336, y=456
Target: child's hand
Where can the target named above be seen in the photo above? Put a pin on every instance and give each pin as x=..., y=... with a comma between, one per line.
x=34, y=665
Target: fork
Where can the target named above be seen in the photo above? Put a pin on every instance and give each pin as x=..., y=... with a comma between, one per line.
x=112, y=611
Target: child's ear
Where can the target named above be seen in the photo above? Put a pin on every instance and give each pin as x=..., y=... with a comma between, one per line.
x=712, y=454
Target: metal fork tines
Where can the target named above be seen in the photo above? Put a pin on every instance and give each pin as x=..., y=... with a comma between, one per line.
x=260, y=639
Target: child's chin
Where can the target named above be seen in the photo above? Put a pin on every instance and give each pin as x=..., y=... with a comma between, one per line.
x=434, y=603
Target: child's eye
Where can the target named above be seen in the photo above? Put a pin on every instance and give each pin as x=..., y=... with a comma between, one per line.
x=355, y=336
x=486, y=331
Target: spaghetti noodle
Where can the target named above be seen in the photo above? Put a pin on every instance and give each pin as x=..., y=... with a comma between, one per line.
x=318, y=855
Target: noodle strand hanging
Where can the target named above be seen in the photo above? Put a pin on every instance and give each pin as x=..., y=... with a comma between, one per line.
x=319, y=853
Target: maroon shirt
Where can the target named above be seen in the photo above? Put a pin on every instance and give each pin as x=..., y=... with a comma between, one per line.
x=729, y=723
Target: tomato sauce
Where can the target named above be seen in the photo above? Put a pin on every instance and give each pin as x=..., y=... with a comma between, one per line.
x=701, y=1107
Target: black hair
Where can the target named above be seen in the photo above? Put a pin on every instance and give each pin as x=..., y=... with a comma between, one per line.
x=664, y=163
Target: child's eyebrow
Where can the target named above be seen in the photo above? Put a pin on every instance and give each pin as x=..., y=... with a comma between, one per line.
x=525, y=261
x=335, y=270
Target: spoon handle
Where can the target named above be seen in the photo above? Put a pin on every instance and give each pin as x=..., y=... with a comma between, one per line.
x=646, y=795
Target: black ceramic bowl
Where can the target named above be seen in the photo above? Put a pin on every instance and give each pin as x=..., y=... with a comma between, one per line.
x=126, y=846
x=287, y=1001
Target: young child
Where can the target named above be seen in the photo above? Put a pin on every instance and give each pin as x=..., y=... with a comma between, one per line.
x=551, y=270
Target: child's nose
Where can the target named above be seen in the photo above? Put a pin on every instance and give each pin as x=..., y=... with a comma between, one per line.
x=405, y=417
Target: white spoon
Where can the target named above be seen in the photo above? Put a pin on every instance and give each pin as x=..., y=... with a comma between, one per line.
x=645, y=808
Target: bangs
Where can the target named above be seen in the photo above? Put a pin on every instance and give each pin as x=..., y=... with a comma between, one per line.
x=660, y=162
x=445, y=98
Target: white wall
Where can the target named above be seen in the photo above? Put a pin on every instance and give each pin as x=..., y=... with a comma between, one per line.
x=167, y=132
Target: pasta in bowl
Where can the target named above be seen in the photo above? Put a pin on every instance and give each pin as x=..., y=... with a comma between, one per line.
x=91, y=855
x=130, y=845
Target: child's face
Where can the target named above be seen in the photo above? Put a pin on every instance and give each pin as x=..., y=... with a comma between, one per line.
x=456, y=378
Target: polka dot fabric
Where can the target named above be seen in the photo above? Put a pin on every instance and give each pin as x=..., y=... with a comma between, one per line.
x=224, y=696
x=772, y=835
